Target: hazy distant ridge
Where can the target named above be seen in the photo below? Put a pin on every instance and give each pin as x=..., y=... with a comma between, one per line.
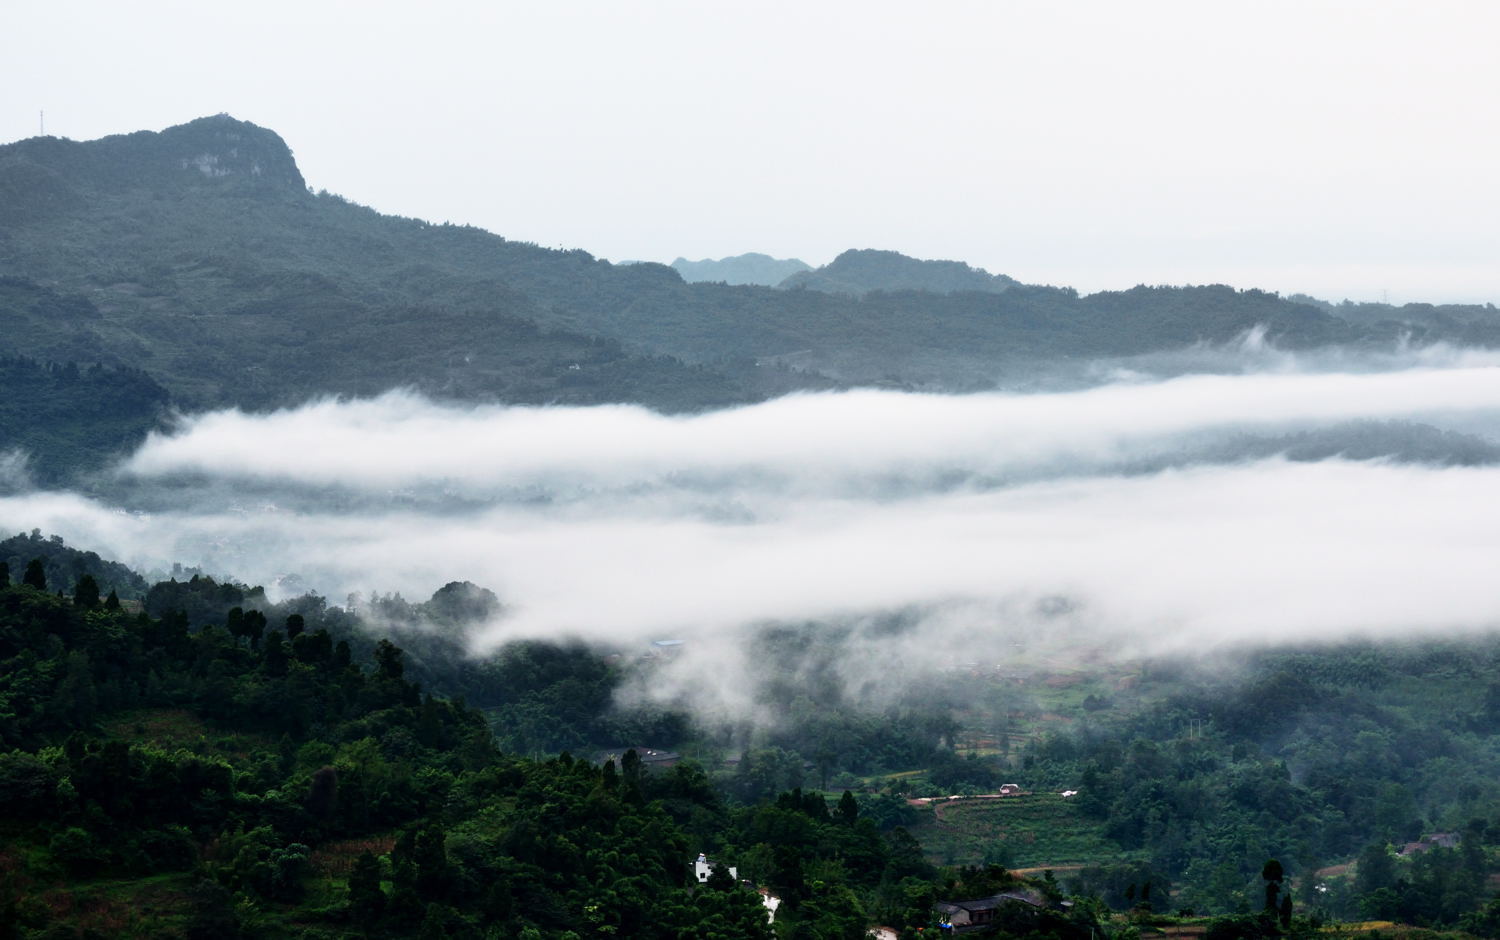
x=751, y=267
x=859, y=271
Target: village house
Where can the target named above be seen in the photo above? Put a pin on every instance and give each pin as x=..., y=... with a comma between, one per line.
x=651, y=758
x=975, y=916
x=703, y=866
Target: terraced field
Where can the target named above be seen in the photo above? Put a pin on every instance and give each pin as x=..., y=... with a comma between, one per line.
x=1034, y=830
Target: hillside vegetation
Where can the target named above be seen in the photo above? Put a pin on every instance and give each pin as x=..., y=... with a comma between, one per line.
x=162, y=776
x=203, y=761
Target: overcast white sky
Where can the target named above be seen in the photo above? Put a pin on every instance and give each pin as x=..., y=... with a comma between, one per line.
x=1344, y=149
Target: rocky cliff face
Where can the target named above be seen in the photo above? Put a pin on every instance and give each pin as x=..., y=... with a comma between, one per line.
x=220, y=146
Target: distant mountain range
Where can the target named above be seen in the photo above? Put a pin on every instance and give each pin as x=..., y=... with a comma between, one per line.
x=858, y=272
x=855, y=272
x=196, y=259
x=749, y=268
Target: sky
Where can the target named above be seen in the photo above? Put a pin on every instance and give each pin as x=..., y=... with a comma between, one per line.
x=1341, y=149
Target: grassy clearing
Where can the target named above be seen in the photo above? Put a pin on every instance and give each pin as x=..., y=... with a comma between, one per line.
x=1010, y=705
x=1035, y=830
x=337, y=858
x=139, y=907
x=170, y=729
x=167, y=728
x=1195, y=929
x=161, y=906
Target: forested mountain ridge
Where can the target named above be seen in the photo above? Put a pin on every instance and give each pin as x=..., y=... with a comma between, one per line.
x=198, y=255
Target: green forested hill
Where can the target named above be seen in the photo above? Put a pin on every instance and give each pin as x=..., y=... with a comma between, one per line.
x=64, y=418
x=185, y=776
x=218, y=764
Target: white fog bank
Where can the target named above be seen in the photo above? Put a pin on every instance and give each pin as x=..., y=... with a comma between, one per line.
x=982, y=517
x=826, y=441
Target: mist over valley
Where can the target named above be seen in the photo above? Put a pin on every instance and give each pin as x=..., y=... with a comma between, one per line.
x=1148, y=515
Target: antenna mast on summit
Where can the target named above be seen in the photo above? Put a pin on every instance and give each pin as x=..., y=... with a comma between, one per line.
x=41, y=123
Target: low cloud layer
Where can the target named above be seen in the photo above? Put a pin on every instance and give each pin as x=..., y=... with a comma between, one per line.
x=1132, y=517
x=824, y=443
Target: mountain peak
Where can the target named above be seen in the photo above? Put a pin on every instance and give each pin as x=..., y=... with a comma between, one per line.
x=221, y=146
x=218, y=148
